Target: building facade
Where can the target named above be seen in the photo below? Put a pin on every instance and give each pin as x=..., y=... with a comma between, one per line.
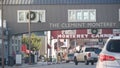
x=101, y=17
x=61, y=14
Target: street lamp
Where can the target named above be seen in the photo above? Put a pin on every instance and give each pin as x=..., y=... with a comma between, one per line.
x=50, y=47
x=29, y=33
x=31, y=16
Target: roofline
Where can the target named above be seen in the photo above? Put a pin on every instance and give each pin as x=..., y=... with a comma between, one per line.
x=58, y=2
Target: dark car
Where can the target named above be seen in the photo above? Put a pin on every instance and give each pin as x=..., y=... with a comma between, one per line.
x=70, y=57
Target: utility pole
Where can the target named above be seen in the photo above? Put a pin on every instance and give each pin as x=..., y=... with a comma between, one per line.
x=50, y=47
x=30, y=17
x=29, y=32
x=2, y=50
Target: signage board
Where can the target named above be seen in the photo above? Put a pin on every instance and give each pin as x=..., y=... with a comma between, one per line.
x=116, y=31
x=85, y=36
x=83, y=25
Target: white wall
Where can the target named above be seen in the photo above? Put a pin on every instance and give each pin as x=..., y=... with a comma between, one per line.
x=4, y=21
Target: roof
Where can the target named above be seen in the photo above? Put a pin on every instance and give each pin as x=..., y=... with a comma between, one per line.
x=51, y=2
x=114, y=37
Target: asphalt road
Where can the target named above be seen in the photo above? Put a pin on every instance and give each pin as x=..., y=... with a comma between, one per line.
x=66, y=65
x=61, y=65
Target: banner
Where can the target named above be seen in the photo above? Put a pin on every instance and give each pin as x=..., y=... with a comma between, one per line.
x=84, y=33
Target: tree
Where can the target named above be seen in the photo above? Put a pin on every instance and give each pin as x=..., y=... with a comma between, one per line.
x=35, y=42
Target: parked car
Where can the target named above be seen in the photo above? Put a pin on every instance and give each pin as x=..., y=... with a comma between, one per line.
x=110, y=54
x=88, y=54
x=70, y=57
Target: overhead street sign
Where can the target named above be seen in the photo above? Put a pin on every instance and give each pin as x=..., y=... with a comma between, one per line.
x=64, y=26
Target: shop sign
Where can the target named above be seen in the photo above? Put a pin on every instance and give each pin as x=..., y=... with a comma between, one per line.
x=85, y=36
x=83, y=25
x=116, y=31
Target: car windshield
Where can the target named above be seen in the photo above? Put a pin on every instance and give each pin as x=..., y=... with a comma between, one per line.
x=70, y=54
x=91, y=49
x=96, y=50
x=113, y=46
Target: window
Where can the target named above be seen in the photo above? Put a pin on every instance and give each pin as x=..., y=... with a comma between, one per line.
x=39, y=15
x=16, y=41
x=113, y=46
x=12, y=41
x=91, y=49
x=82, y=15
x=0, y=14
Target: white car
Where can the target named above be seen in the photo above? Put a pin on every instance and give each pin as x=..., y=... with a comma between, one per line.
x=110, y=54
x=87, y=54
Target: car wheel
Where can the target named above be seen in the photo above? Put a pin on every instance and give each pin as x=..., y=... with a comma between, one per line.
x=75, y=60
x=92, y=62
x=67, y=61
x=86, y=62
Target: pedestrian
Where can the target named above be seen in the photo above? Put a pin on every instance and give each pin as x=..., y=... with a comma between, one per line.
x=58, y=58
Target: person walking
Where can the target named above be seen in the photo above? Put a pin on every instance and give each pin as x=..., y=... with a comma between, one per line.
x=58, y=58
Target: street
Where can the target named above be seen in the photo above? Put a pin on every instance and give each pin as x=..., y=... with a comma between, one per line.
x=62, y=65
x=65, y=65
x=50, y=33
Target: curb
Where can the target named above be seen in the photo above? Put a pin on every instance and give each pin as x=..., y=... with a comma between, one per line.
x=37, y=64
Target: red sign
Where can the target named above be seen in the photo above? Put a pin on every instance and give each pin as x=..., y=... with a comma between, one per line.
x=81, y=33
x=23, y=48
x=84, y=36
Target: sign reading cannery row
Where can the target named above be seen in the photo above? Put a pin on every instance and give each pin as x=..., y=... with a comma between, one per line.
x=84, y=33
x=85, y=36
x=85, y=25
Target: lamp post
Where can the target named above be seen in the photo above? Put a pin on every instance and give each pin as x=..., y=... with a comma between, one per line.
x=29, y=33
x=2, y=50
x=31, y=17
x=51, y=47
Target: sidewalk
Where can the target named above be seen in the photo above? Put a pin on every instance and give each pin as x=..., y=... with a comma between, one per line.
x=28, y=65
x=32, y=65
